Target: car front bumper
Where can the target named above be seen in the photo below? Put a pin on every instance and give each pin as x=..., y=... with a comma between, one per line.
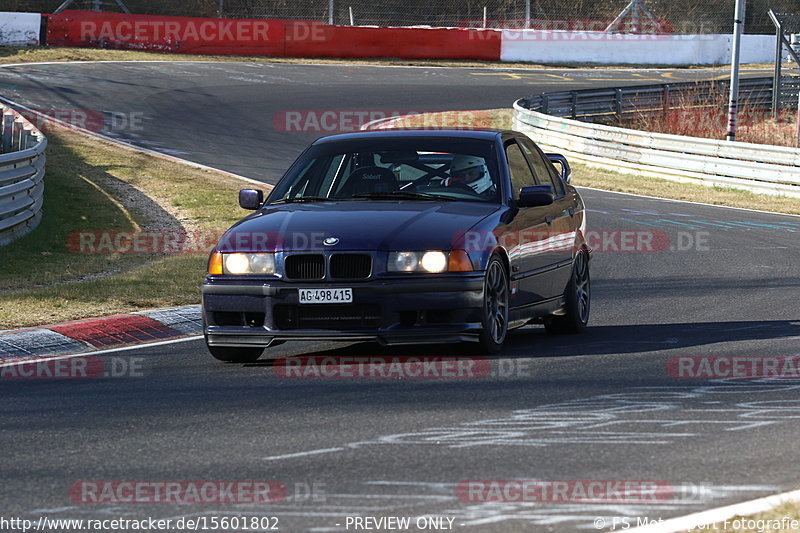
x=238, y=313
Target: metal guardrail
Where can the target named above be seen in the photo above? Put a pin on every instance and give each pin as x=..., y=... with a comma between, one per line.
x=756, y=167
x=592, y=105
x=22, y=166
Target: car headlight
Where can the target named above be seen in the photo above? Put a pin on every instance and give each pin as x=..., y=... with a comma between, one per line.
x=432, y=261
x=248, y=263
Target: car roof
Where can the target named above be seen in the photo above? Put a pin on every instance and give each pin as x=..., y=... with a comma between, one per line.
x=486, y=134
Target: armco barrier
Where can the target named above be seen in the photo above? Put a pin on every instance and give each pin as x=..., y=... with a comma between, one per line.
x=261, y=37
x=22, y=164
x=759, y=168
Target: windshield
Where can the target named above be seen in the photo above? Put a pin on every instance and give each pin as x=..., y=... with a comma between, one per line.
x=407, y=169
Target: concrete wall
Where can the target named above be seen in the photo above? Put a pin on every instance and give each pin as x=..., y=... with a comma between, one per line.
x=600, y=48
x=19, y=29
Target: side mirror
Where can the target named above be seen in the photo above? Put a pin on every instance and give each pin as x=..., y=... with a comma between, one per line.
x=535, y=196
x=251, y=199
x=558, y=159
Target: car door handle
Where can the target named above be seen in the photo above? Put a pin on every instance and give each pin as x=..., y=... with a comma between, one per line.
x=549, y=220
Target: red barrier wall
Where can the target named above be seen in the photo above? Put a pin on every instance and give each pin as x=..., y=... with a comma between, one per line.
x=184, y=35
x=260, y=37
x=406, y=43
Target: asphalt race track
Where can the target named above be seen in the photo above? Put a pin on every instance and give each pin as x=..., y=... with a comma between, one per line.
x=225, y=115
x=599, y=406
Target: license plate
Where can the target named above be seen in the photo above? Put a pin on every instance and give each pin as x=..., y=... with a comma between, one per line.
x=326, y=296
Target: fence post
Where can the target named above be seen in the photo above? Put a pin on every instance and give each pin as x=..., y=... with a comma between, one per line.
x=574, y=105
x=618, y=103
x=797, y=125
x=666, y=100
x=527, y=14
x=776, y=76
x=546, y=104
x=8, y=128
x=330, y=12
x=16, y=135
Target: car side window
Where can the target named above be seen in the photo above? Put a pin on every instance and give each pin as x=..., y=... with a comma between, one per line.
x=518, y=168
x=545, y=172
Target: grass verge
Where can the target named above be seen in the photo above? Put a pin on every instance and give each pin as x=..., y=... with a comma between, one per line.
x=95, y=186
x=587, y=176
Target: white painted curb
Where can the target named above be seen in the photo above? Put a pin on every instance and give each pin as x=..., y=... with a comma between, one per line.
x=720, y=514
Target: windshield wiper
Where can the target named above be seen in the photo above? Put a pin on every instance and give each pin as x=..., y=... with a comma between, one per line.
x=300, y=199
x=403, y=195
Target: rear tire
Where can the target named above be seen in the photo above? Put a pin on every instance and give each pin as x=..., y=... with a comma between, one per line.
x=494, y=320
x=236, y=355
x=577, y=298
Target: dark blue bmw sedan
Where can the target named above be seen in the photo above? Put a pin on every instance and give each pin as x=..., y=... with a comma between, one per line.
x=401, y=237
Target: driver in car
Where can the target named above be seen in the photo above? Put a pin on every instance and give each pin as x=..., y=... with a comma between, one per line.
x=469, y=171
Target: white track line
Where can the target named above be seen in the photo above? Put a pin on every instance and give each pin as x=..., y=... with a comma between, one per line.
x=301, y=454
x=36, y=359
x=720, y=514
x=777, y=213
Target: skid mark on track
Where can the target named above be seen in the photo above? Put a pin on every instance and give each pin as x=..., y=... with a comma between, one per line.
x=644, y=416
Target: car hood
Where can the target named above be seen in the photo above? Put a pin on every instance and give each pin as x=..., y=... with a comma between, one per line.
x=358, y=225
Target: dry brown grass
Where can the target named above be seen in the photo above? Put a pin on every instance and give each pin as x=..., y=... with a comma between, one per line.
x=704, y=113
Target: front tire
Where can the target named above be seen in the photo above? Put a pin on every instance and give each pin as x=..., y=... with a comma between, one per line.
x=494, y=320
x=235, y=355
x=577, y=299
